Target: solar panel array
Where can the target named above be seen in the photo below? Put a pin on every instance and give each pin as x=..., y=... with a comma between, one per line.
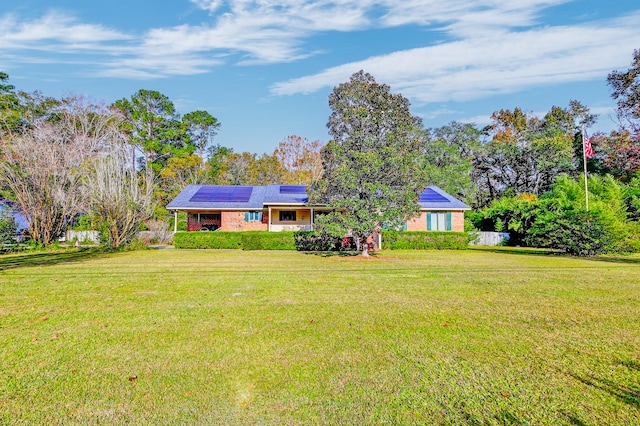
x=223, y=194
x=431, y=196
x=293, y=189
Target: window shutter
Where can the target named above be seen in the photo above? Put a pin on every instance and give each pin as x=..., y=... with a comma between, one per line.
x=259, y=218
x=404, y=227
x=448, y=221
x=246, y=216
x=428, y=221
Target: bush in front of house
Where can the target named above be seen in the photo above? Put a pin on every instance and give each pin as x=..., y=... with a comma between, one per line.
x=424, y=240
x=265, y=240
x=249, y=240
x=318, y=241
x=207, y=240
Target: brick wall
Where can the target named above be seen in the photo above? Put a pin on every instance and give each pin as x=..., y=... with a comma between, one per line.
x=235, y=221
x=420, y=223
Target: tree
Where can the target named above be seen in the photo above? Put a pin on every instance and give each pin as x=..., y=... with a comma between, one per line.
x=625, y=88
x=300, y=158
x=118, y=197
x=201, y=128
x=154, y=127
x=44, y=166
x=9, y=106
x=448, y=154
x=371, y=173
x=525, y=153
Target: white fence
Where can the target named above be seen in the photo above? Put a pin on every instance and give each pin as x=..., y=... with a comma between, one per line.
x=490, y=239
x=83, y=236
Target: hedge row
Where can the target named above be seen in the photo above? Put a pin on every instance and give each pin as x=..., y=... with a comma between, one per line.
x=315, y=241
x=423, y=240
x=249, y=240
x=311, y=241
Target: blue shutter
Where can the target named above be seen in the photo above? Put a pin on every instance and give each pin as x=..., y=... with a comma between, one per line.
x=259, y=218
x=448, y=221
x=246, y=216
x=404, y=227
x=428, y=221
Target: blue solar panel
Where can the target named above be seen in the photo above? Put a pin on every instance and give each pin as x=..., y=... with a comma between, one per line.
x=293, y=189
x=431, y=196
x=223, y=194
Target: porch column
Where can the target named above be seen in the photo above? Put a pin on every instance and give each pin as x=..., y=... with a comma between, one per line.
x=175, y=221
x=313, y=219
x=269, y=223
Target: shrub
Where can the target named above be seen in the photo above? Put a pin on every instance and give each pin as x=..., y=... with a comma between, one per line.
x=318, y=241
x=207, y=240
x=265, y=240
x=423, y=240
x=250, y=240
x=8, y=228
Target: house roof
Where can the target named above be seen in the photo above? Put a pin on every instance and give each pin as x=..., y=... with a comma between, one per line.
x=221, y=197
x=434, y=198
x=209, y=197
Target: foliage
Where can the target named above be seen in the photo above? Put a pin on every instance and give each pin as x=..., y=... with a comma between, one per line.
x=318, y=241
x=201, y=127
x=154, y=126
x=249, y=240
x=559, y=220
x=44, y=166
x=265, y=240
x=8, y=229
x=118, y=197
x=448, y=154
x=525, y=153
x=301, y=160
x=371, y=174
x=423, y=240
x=625, y=88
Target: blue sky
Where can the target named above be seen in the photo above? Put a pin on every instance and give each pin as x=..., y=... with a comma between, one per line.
x=265, y=68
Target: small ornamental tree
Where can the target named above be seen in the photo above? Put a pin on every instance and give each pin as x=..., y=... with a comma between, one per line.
x=371, y=168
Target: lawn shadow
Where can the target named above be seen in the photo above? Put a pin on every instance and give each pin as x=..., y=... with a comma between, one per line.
x=49, y=258
x=337, y=253
x=629, y=394
x=548, y=252
x=616, y=259
x=573, y=419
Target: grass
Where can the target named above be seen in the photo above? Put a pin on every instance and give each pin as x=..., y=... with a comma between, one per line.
x=231, y=337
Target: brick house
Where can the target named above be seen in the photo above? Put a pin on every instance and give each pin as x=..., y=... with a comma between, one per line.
x=286, y=208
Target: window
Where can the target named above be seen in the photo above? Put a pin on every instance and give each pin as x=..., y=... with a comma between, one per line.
x=287, y=216
x=440, y=221
x=253, y=216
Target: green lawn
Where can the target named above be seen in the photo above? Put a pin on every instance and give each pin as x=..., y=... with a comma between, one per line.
x=230, y=337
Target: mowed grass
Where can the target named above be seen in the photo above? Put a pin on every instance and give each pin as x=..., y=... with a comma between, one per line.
x=229, y=337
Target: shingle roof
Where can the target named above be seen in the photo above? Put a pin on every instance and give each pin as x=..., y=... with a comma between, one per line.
x=430, y=202
x=260, y=197
x=433, y=198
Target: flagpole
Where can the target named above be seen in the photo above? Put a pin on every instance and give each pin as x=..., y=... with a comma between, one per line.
x=584, y=161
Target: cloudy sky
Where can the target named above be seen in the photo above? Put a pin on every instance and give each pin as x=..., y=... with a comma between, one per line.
x=265, y=68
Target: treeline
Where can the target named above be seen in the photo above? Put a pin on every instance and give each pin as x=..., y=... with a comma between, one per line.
x=120, y=164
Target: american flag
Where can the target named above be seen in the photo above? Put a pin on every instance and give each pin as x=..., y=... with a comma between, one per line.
x=586, y=144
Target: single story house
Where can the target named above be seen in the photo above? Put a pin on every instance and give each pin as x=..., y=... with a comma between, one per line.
x=286, y=208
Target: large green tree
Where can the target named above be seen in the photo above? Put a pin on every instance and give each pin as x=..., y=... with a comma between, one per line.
x=154, y=127
x=448, y=158
x=371, y=168
x=625, y=88
x=524, y=153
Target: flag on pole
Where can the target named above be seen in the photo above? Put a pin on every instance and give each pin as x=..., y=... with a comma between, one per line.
x=586, y=145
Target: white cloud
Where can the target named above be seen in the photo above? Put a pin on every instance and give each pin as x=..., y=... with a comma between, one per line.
x=499, y=62
x=54, y=27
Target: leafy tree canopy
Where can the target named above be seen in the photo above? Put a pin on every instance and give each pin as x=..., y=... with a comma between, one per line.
x=371, y=168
